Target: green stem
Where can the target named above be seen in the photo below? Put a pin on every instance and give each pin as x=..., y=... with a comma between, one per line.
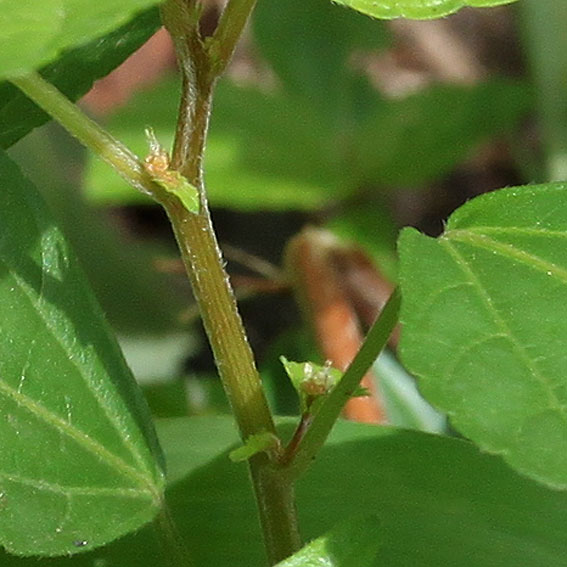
x=329, y=412
x=88, y=132
x=228, y=32
x=212, y=290
x=211, y=287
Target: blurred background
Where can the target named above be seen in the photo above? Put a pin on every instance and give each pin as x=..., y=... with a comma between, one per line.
x=330, y=131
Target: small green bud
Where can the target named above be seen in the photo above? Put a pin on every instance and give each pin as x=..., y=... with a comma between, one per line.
x=157, y=166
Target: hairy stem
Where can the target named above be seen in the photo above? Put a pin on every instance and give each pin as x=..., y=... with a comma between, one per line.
x=211, y=287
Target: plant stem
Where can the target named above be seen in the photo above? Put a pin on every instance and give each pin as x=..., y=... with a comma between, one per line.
x=88, y=132
x=204, y=266
x=220, y=317
x=330, y=410
x=201, y=256
x=228, y=32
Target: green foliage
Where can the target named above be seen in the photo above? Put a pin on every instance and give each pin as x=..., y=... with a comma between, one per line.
x=418, y=9
x=352, y=544
x=427, y=133
x=276, y=147
x=308, y=45
x=34, y=34
x=314, y=142
x=440, y=501
x=485, y=320
x=484, y=316
x=79, y=457
x=73, y=74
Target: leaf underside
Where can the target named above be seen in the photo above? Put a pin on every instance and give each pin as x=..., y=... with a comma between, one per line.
x=415, y=9
x=78, y=464
x=484, y=320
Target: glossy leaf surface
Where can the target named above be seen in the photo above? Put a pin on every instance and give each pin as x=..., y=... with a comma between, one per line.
x=73, y=74
x=351, y=544
x=440, y=501
x=78, y=465
x=418, y=9
x=485, y=324
x=33, y=33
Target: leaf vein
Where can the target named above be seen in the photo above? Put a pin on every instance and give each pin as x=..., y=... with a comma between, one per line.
x=484, y=295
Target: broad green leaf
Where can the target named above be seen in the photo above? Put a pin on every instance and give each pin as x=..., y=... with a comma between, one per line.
x=440, y=502
x=73, y=74
x=485, y=324
x=264, y=151
x=79, y=464
x=353, y=543
x=33, y=33
x=308, y=45
x=418, y=9
x=425, y=135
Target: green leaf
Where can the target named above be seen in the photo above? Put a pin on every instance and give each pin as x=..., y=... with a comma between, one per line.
x=421, y=137
x=33, y=33
x=353, y=543
x=255, y=444
x=418, y=9
x=485, y=324
x=73, y=74
x=308, y=45
x=440, y=501
x=263, y=151
x=78, y=464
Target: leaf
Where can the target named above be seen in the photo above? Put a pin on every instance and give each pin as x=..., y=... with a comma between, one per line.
x=485, y=324
x=255, y=444
x=263, y=151
x=353, y=543
x=78, y=464
x=421, y=137
x=440, y=501
x=73, y=74
x=308, y=45
x=35, y=33
x=418, y=9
